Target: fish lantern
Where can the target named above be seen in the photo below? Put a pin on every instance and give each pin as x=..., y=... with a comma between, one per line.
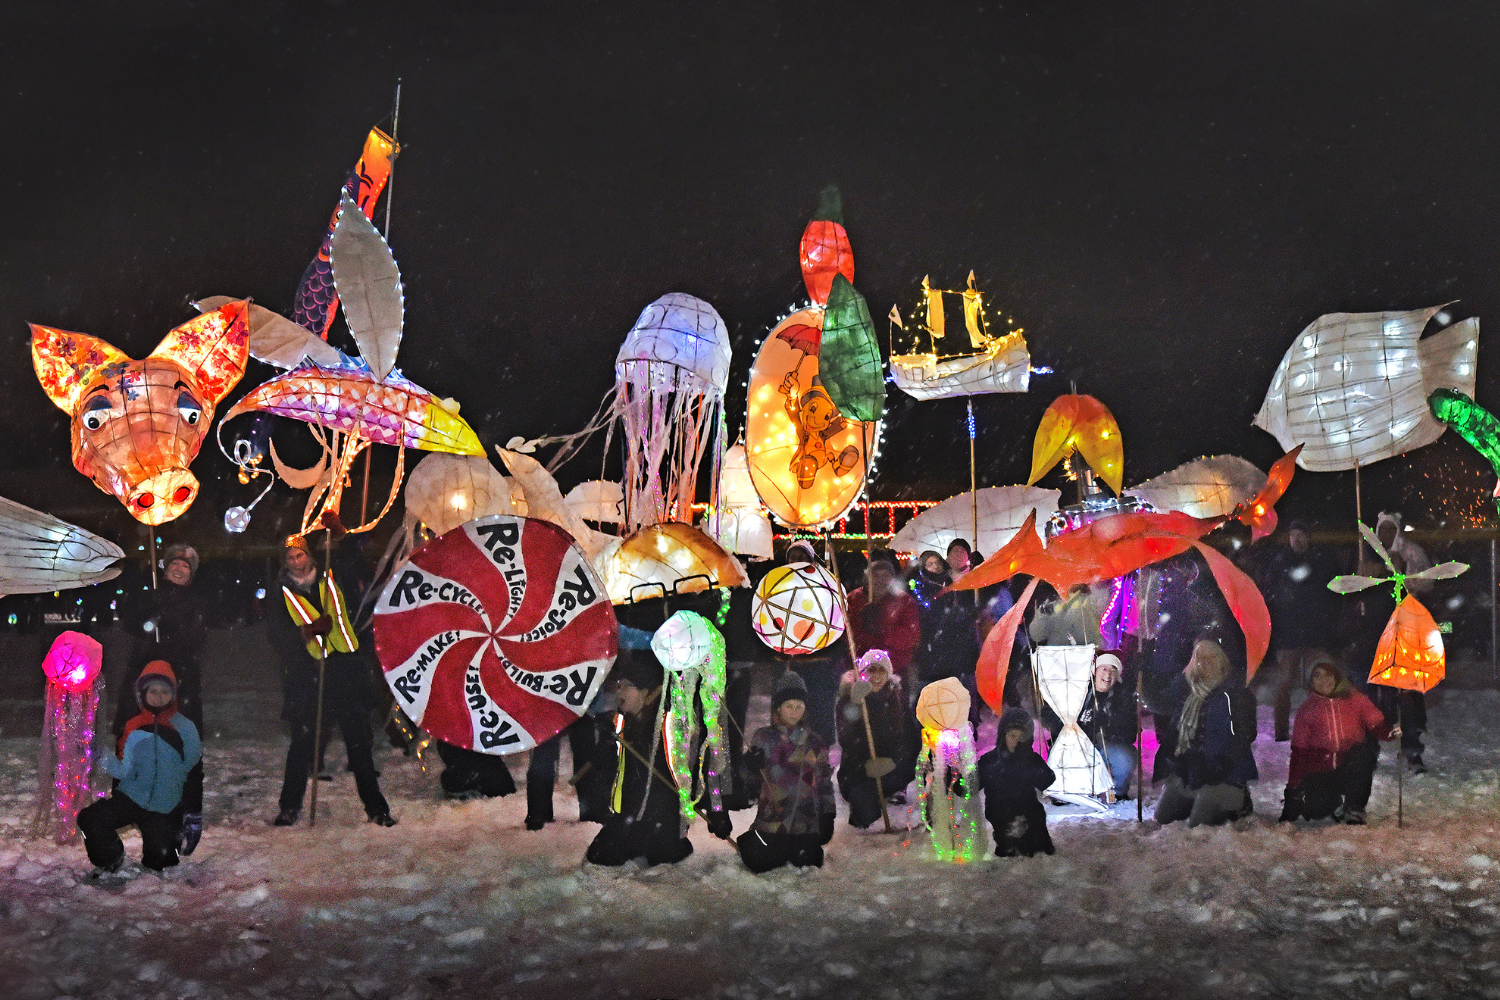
x=1353, y=387
x=39, y=553
x=946, y=769
x=808, y=461
x=1079, y=423
x=798, y=608
x=137, y=425
x=825, y=251
x=72, y=668
x=692, y=651
x=670, y=377
x=445, y=491
x=665, y=559
x=1215, y=486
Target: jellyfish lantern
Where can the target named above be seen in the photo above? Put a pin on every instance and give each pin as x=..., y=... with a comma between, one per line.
x=670, y=377
x=692, y=651
x=947, y=770
x=73, y=685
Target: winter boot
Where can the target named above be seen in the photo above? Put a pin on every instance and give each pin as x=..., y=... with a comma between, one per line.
x=287, y=817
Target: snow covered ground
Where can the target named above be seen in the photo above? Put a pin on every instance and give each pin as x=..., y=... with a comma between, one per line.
x=460, y=901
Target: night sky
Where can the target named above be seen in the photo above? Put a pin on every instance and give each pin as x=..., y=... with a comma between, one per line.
x=1162, y=195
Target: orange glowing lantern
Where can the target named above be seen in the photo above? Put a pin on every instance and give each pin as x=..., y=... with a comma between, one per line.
x=1081, y=423
x=807, y=460
x=1410, y=654
x=825, y=249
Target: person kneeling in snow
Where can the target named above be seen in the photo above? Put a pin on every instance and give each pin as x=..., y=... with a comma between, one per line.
x=789, y=761
x=1213, y=765
x=1012, y=775
x=645, y=818
x=157, y=750
x=1333, y=749
x=872, y=692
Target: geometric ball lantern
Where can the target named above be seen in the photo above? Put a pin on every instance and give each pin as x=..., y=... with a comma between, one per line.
x=798, y=609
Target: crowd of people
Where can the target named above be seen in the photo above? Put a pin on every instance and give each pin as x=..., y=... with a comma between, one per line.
x=1182, y=663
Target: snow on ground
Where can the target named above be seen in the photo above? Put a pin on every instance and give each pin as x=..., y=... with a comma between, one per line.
x=460, y=901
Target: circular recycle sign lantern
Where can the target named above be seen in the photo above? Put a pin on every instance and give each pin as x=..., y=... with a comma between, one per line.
x=798, y=608
x=496, y=635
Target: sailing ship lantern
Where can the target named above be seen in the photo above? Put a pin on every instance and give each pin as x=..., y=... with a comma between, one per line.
x=992, y=363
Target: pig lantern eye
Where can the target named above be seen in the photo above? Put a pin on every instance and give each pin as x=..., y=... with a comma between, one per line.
x=189, y=408
x=96, y=413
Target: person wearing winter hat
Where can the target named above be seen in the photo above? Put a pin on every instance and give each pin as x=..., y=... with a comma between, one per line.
x=170, y=623
x=1376, y=605
x=645, y=815
x=154, y=755
x=1108, y=717
x=788, y=761
x=313, y=626
x=872, y=690
x=1012, y=776
x=1333, y=749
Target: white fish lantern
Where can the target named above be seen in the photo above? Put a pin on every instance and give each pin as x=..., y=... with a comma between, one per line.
x=1205, y=487
x=445, y=491
x=40, y=553
x=1353, y=387
x=798, y=608
x=808, y=461
x=670, y=377
x=1000, y=511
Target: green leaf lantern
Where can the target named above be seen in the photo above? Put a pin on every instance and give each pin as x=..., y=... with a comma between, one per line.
x=849, y=364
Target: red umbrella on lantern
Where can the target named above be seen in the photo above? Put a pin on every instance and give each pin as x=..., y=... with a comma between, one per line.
x=496, y=635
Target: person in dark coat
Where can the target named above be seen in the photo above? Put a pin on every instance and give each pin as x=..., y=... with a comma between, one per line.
x=950, y=644
x=170, y=623
x=469, y=774
x=1213, y=766
x=645, y=819
x=1012, y=776
x=795, y=813
x=314, y=617
x=155, y=753
x=1303, y=613
x=875, y=685
x=884, y=615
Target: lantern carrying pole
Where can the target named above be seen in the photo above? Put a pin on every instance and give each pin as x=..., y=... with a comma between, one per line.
x=312, y=764
x=828, y=555
x=1140, y=739
x=1400, y=765
x=151, y=553
x=1494, y=622
x=1359, y=515
x=973, y=491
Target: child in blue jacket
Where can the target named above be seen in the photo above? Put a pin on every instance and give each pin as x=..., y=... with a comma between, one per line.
x=155, y=753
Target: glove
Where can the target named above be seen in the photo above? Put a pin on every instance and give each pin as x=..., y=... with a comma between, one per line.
x=720, y=825
x=879, y=767
x=317, y=628
x=825, y=828
x=336, y=529
x=190, y=834
x=755, y=760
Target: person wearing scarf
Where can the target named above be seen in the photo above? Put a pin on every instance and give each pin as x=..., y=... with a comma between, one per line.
x=1213, y=765
x=156, y=751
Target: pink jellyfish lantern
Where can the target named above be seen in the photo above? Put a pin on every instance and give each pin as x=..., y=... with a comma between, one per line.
x=73, y=685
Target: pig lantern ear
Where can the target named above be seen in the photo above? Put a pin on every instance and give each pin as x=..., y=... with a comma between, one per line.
x=68, y=363
x=213, y=348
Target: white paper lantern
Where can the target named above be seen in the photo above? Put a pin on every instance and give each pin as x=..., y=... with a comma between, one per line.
x=798, y=608
x=448, y=490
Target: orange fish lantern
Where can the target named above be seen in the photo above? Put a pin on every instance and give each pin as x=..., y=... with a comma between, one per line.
x=138, y=424
x=1083, y=424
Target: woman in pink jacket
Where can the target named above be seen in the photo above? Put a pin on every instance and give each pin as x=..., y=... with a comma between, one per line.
x=1333, y=749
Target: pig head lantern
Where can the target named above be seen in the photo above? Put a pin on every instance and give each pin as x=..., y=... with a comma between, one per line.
x=137, y=424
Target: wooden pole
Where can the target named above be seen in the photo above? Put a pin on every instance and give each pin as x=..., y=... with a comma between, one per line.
x=864, y=711
x=1140, y=739
x=312, y=765
x=1400, y=763
x=1494, y=622
x=364, y=495
x=151, y=553
x=1359, y=515
x=390, y=183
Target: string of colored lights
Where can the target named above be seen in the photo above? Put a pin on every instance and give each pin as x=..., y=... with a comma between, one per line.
x=941, y=751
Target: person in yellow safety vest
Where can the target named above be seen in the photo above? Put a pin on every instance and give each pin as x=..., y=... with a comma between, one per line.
x=311, y=626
